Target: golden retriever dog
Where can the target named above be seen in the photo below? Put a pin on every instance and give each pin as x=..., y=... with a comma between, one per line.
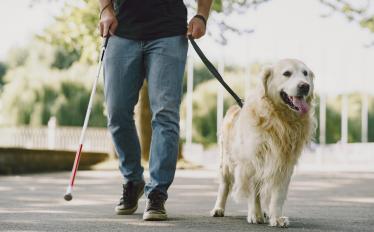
x=261, y=142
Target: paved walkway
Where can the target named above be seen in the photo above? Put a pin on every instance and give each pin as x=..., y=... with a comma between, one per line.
x=316, y=202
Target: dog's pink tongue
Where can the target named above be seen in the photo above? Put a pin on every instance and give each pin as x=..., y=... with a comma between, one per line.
x=300, y=103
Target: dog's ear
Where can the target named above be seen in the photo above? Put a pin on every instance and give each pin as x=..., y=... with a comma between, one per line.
x=312, y=96
x=311, y=74
x=266, y=73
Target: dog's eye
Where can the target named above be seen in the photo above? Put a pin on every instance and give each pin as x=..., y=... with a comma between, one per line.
x=287, y=74
x=305, y=73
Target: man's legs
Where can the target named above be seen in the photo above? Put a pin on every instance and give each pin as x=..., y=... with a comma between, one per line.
x=124, y=75
x=165, y=60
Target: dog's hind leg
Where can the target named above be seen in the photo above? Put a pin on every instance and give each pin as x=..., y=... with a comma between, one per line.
x=223, y=192
x=255, y=215
x=265, y=201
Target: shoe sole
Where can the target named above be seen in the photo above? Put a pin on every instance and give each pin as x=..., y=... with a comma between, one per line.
x=154, y=216
x=129, y=211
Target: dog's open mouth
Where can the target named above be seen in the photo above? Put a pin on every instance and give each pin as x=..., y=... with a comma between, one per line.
x=296, y=103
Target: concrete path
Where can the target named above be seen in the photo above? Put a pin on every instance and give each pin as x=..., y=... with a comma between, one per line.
x=316, y=202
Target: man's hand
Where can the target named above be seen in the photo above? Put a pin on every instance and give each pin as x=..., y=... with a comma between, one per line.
x=108, y=22
x=196, y=28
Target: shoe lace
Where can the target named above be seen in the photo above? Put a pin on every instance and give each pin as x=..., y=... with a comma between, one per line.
x=126, y=191
x=156, y=201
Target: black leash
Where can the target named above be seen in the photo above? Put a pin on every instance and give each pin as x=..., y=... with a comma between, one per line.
x=214, y=71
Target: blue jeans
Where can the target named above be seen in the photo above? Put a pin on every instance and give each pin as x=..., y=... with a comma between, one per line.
x=126, y=64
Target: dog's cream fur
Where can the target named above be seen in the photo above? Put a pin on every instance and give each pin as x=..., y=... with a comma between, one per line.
x=261, y=143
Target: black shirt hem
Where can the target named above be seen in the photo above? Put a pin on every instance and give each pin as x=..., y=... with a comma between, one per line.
x=149, y=37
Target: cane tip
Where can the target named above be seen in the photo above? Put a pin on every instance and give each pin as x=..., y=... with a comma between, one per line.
x=68, y=197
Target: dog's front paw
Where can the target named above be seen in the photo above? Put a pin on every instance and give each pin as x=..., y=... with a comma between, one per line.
x=255, y=219
x=279, y=222
x=217, y=212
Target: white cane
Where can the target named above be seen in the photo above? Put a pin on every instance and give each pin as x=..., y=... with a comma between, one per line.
x=68, y=195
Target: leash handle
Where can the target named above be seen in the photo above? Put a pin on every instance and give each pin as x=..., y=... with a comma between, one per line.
x=104, y=47
x=214, y=71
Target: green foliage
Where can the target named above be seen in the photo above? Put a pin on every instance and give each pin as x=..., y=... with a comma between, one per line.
x=71, y=105
x=354, y=118
x=17, y=56
x=217, y=5
x=368, y=23
x=34, y=94
x=23, y=96
x=201, y=74
x=333, y=119
x=371, y=120
x=35, y=89
x=34, y=53
x=64, y=59
x=358, y=12
x=75, y=33
x=205, y=107
x=3, y=69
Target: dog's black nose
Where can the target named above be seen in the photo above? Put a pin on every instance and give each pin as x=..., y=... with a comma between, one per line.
x=303, y=88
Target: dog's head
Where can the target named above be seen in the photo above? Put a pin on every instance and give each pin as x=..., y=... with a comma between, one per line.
x=289, y=84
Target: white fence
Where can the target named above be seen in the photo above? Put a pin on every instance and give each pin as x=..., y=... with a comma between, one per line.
x=59, y=138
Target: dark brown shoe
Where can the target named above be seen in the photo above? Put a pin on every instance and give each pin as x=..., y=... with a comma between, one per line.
x=155, y=207
x=128, y=203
